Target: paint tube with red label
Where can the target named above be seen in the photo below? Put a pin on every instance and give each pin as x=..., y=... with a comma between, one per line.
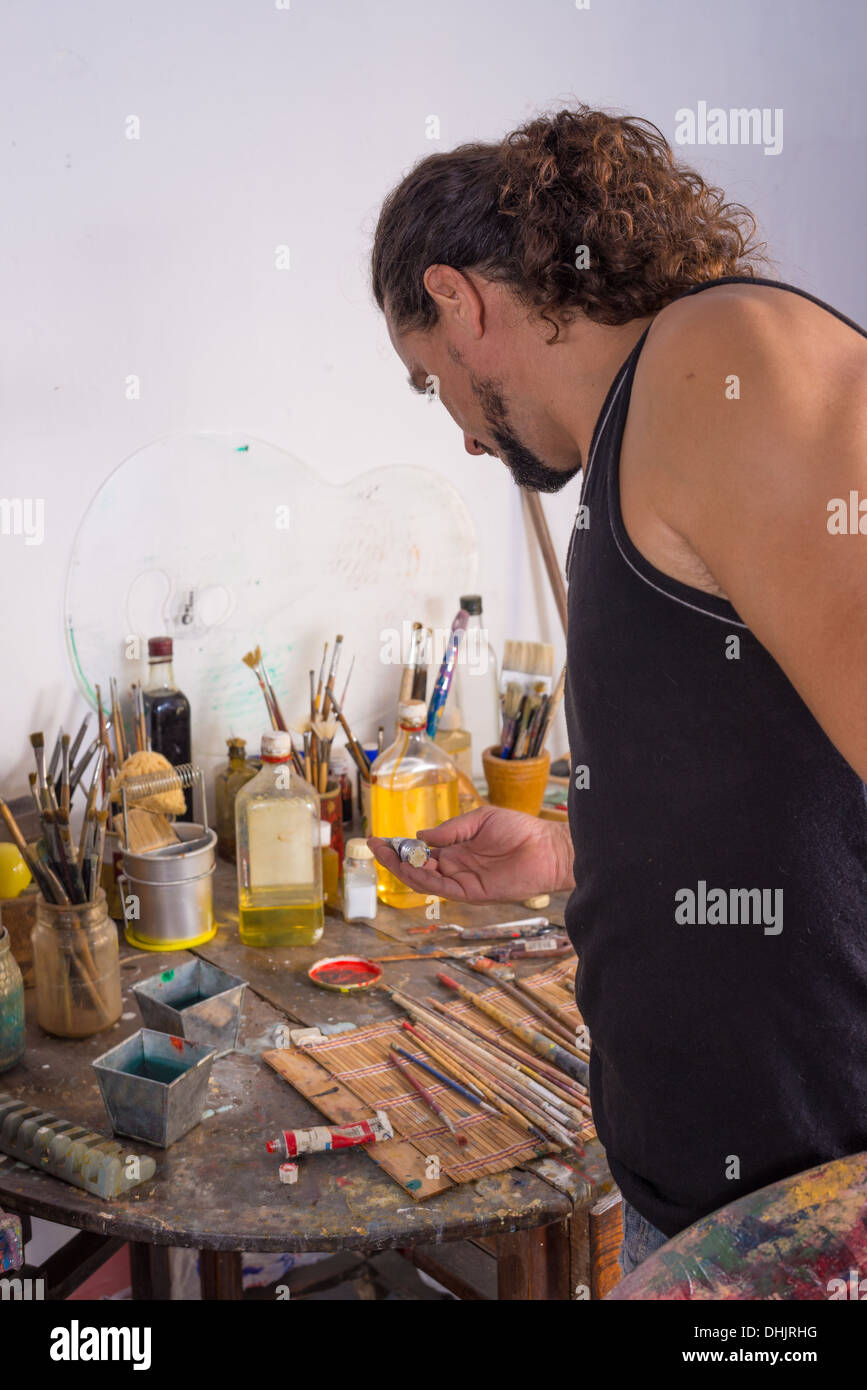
x=321, y=1138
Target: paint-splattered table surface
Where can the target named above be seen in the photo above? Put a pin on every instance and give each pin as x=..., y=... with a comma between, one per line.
x=804, y=1237
x=216, y=1188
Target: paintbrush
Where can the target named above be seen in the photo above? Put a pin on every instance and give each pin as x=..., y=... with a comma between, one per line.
x=446, y=673
x=102, y=817
x=408, y=678
x=553, y=1027
x=346, y=682
x=511, y=710
x=442, y=1076
x=316, y=699
x=78, y=740
x=90, y=804
x=332, y=673
x=527, y=663
x=430, y=1101
x=356, y=752
x=550, y=711
x=55, y=756
x=278, y=713
x=103, y=731
x=64, y=791
x=419, y=683
x=38, y=743
x=252, y=659
x=572, y=1023
x=117, y=722
x=82, y=766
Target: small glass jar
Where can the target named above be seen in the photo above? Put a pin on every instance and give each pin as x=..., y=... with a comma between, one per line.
x=77, y=969
x=359, y=882
x=11, y=1005
x=331, y=809
x=330, y=865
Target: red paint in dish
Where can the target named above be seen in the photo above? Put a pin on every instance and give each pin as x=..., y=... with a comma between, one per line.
x=178, y=1043
x=345, y=973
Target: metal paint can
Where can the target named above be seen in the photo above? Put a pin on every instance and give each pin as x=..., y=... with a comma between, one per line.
x=172, y=890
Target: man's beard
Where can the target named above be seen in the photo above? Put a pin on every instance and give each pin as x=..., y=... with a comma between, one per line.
x=527, y=470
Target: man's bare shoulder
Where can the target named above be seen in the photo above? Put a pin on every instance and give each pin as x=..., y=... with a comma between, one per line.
x=725, y=370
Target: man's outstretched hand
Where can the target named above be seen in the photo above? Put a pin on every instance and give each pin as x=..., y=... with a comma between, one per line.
x=487, y=855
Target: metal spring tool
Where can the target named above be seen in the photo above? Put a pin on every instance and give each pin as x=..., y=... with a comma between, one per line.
x=70, y=1152
x=181, y=777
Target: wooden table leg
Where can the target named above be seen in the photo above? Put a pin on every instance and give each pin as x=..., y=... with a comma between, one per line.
x=534, y=1264
x=220, y=1273
x=149, y=1268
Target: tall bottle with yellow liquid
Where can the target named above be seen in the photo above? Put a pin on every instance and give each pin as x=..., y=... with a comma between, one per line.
x=278, y=837
x=413, y=786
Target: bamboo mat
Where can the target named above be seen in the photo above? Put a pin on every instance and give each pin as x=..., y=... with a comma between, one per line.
x=423, y=1156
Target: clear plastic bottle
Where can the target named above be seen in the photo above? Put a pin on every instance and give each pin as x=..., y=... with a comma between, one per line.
x=278, y=837
x=476, y=686
x=413, y=786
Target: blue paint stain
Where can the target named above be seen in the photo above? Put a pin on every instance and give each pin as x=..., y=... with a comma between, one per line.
x=414, y=1184
x=242, y=448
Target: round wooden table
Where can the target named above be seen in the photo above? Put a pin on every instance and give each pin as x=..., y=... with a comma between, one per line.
x=804, y=1237
x=216, y=1190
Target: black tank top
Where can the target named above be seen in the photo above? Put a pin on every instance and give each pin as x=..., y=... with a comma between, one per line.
x=724, y=1056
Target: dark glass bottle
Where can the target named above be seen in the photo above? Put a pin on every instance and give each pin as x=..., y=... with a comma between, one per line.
x=167, y=711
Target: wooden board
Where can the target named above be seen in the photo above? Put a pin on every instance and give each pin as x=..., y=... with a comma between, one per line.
x=359, y=1063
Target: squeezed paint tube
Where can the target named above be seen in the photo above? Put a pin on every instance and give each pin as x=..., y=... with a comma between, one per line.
x=321, y=1138
x=554, y=944
x=412, y=852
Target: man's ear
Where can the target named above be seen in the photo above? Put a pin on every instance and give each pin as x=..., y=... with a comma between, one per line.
x=457, y=299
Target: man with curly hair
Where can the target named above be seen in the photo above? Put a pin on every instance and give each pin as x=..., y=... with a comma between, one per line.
x=586, y=303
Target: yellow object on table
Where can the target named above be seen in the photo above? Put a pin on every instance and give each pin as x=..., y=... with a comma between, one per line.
x=14, y=873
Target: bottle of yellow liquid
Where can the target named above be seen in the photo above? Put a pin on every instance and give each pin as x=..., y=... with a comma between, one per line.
x=278, y=837
x=413, y=786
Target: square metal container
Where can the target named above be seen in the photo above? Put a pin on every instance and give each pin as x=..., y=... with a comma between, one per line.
x=197, y=1001
x=157, y=1111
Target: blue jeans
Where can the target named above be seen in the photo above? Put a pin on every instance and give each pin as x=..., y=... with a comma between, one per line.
x=640, y=1239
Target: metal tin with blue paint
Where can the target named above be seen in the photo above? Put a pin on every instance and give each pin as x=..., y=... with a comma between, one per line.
x=197, y=1001
x=154, y=1085
x=11, y=1005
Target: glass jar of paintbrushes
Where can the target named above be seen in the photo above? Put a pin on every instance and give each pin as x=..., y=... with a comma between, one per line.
x=76, y=967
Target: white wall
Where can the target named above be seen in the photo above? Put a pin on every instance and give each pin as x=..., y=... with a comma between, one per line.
x=262, y=126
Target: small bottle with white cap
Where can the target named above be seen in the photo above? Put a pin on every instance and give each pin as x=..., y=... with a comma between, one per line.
x=359, y=882
x=279, y=852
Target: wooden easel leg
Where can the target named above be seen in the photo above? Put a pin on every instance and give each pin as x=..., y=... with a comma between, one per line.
x=221, y=1275
x=534, y=1264
x=149, y=1268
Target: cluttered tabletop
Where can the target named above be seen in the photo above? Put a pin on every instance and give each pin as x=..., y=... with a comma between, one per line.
x=290, y=1048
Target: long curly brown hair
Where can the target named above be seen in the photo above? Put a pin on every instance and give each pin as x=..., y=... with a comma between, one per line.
x=519, y=211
